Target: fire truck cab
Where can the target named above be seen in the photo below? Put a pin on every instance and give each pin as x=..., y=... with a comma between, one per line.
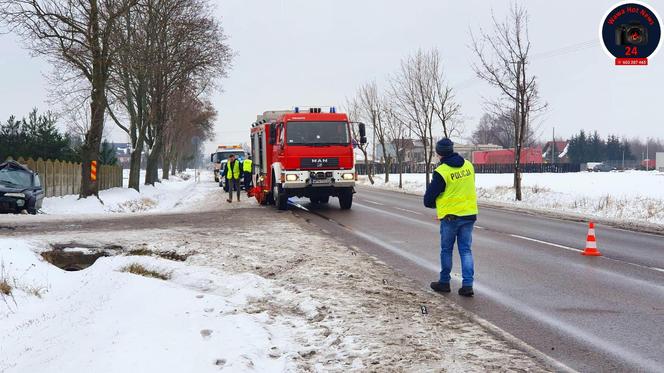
x=304, y=153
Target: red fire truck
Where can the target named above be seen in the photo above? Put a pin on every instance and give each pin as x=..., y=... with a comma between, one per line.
x=303, y=153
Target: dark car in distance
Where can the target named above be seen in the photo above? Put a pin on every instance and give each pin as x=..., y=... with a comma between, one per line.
x=20, y=189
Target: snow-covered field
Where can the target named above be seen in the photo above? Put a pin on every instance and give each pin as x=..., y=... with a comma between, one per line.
x=105, y=320
x=631, y=196
x=287, y=298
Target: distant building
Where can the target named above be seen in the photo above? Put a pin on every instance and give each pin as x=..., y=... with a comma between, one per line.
x=506, y=156
x=122, y=153
x=466, y=151
x=659, y=161
x=555, y=152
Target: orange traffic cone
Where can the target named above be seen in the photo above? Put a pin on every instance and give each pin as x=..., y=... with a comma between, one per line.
x=591, y=242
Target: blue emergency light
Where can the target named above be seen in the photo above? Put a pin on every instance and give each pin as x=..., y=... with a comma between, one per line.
x=333, y=110
x=297, y=110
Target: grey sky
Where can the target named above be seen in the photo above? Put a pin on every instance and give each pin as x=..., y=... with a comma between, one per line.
x=314, y=52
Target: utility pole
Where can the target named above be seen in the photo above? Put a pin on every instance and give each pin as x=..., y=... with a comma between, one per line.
x=647, y=159
x=553, y=152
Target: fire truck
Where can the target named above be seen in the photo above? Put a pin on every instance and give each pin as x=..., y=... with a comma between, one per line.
x=220, y=157
x=304, y=153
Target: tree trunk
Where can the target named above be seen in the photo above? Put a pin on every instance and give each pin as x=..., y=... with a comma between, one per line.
x=174, y=165
x=135, y=167
x=90, y=148
x=400, y=174
x=165, y=167
x=366, y=164
x=152, y=166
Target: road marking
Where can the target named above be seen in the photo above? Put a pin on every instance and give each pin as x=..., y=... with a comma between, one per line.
x=553, y=322
x=580, y=251
x=374, y=202
x=478, y=227
x=411, y=211
x=546, y=243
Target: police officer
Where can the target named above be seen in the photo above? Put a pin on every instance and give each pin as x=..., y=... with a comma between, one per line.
x=232, y=173
x=452, y=194
x=247, y=169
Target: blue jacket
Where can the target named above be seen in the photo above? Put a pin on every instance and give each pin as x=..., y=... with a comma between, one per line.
x=437, y=186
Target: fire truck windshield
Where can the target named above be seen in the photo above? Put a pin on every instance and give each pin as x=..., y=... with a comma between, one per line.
x=317, y=133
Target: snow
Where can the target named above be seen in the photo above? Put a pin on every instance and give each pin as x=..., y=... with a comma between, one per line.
x=105, y=320
x=179, y=193
x=634, y=196
x=287, y=298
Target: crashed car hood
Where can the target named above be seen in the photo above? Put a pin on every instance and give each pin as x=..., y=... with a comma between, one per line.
x=7, y=189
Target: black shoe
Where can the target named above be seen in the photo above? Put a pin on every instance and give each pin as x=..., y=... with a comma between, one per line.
x=440, y=287
x=466, y=291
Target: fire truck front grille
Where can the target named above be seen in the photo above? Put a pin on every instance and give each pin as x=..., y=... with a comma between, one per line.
x=319, y=162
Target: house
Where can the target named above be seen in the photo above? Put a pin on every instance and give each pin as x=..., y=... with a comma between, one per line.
x=122, y=153
x=555, y=152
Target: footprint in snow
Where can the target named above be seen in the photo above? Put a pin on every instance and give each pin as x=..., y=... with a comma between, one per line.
x=206, y=333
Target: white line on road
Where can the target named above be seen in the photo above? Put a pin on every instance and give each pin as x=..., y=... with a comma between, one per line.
x=411, y=211
x=374, y=202
x=575, y=331
x=580, y=251
x=546, y=243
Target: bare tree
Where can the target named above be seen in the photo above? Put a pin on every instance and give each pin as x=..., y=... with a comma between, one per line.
x=412, y=89
x=166, y=47
x=74, y=34
x=503, y=62
x=190, y=119
x=353, y=111
x=372, y=107
x=191, y=51
x=498, y=129
x=444, y=103
x=395, y=135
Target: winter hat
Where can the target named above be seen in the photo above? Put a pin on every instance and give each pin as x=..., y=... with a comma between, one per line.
x=444, y=147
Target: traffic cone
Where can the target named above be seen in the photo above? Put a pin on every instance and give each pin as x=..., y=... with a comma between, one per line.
x=591, y=242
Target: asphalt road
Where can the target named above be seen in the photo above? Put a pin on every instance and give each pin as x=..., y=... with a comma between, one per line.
x=589, y=313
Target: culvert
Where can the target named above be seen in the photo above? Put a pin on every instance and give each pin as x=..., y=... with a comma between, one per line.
x=75, y=257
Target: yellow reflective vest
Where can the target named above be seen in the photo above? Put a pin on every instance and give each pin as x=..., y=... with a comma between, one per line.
x=233, y=170
x=459, y=197
x=246, y=165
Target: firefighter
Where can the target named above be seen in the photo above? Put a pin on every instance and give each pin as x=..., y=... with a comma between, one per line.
x=247, y=169
x=452, y=194
x=232, y=173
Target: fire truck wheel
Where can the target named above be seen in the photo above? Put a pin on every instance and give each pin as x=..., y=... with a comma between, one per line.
x=280, y=198
x=346, y=199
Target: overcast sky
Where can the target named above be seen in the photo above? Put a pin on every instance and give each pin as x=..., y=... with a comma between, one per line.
x=315, y=52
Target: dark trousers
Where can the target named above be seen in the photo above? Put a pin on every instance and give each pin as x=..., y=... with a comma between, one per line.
x=247, y=181
x=233, y=184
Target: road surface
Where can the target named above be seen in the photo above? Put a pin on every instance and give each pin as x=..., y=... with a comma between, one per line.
x=590, y=313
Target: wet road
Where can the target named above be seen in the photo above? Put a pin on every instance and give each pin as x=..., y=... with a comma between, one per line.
x=590, y=313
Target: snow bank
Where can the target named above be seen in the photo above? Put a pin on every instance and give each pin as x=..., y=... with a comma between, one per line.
x=104, y=320
x=636, y=196
x=178, y=193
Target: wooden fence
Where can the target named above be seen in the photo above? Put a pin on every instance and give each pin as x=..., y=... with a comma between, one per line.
x=61, y=178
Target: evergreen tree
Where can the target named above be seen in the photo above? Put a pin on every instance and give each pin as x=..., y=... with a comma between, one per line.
x=34, y=137
x=107, y=154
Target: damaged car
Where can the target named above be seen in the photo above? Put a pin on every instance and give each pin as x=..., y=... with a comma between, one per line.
x=20, y=189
